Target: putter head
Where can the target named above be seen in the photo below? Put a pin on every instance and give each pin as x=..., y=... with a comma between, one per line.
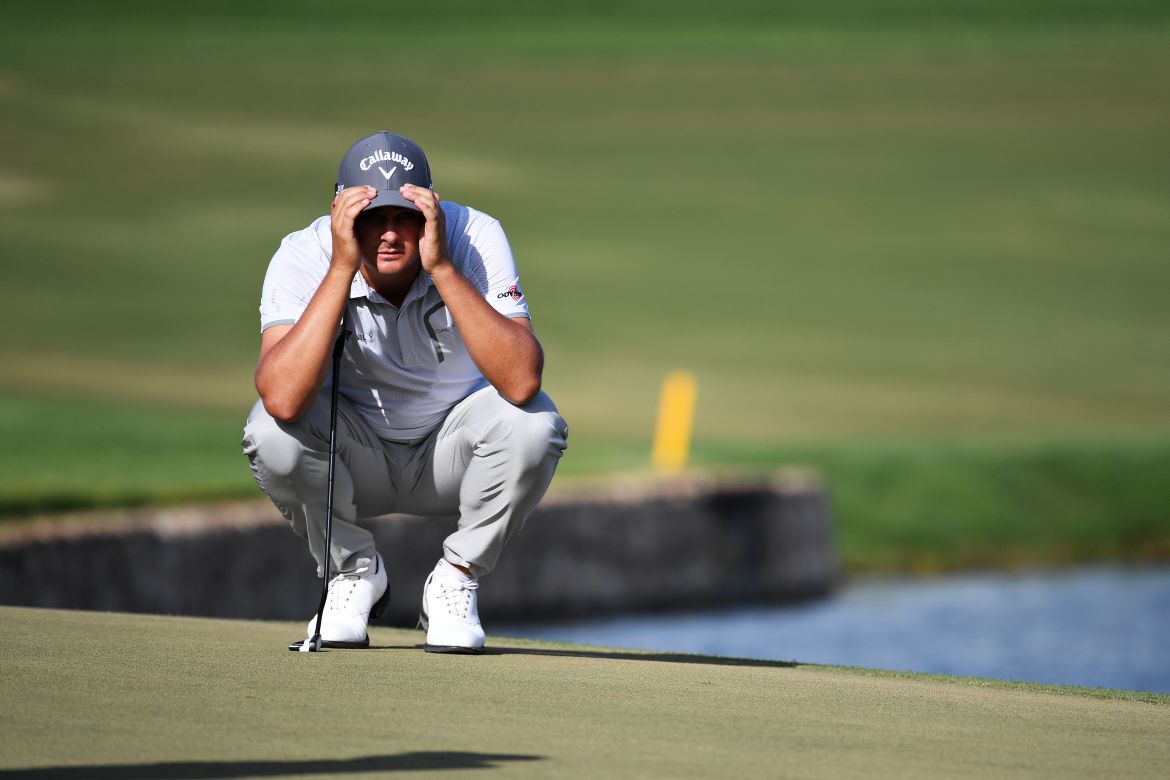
x=306, y=645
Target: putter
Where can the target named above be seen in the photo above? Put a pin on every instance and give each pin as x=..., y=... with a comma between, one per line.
x=314, y=645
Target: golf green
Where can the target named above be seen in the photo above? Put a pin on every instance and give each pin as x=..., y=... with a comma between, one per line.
x=109, y=695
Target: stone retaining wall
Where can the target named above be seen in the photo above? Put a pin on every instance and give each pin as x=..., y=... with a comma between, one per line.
x=669, y=545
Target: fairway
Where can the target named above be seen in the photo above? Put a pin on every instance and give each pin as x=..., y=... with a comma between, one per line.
x=945, y=223
x=108, y=695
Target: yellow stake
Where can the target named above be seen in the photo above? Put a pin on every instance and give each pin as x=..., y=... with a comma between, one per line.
x=676, y=416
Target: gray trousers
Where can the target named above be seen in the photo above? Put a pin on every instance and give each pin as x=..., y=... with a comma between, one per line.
x=489, y=463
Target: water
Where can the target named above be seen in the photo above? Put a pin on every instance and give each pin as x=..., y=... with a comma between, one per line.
x=1099, y=627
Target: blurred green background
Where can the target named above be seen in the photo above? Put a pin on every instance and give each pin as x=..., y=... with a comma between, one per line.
x=920, y=246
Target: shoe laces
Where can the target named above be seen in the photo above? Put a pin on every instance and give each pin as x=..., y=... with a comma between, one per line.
x=341, y=588
x=456, y=595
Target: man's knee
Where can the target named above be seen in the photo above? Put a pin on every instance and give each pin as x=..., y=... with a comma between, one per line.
x=536, y=430
x=271, y=444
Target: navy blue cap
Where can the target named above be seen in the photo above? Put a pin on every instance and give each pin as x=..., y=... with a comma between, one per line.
x=384, y=161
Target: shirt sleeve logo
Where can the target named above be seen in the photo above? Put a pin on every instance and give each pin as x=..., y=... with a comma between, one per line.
x=512, y=292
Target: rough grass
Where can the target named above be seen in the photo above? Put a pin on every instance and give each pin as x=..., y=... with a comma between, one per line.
x=897, y=506
x=931, y=506
x=108, y=695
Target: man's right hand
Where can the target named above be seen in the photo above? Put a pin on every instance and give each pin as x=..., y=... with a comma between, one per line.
x=347, y=204
x=294, y=359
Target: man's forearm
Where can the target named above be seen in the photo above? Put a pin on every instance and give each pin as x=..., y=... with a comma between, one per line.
x=505, y=350
x=292, y=370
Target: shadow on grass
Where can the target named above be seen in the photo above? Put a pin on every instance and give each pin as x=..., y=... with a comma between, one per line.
x=218, y=770
x=615, y=655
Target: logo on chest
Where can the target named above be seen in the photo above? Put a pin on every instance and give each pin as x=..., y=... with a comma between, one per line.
x=437, y=320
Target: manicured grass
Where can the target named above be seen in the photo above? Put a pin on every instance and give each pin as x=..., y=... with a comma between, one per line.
x=110, y=695
x=861, y=226
x=70, y=453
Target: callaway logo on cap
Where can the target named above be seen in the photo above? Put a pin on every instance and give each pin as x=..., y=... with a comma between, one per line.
x=384, y=161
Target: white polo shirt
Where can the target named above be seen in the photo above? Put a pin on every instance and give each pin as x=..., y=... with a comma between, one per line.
x=405, y=366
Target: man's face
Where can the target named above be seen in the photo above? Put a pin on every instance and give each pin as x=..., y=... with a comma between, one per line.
x=388, y=237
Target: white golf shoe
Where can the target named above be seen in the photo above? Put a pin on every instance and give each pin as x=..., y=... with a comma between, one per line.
x=450, y=614
x=354, y=597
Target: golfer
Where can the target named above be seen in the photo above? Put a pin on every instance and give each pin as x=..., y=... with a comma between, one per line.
x=440, y=410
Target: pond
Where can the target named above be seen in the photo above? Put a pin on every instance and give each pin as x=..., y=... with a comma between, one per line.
x=1105, y=627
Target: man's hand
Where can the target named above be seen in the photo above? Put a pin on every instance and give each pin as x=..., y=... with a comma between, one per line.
x=505, y=350
x=294, y=359
x=432, y=241
x=347, y=204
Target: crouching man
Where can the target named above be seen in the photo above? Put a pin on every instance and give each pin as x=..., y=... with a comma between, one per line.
x=440, y=410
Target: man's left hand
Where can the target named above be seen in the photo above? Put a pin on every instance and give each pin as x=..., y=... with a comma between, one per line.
x=432, y=241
